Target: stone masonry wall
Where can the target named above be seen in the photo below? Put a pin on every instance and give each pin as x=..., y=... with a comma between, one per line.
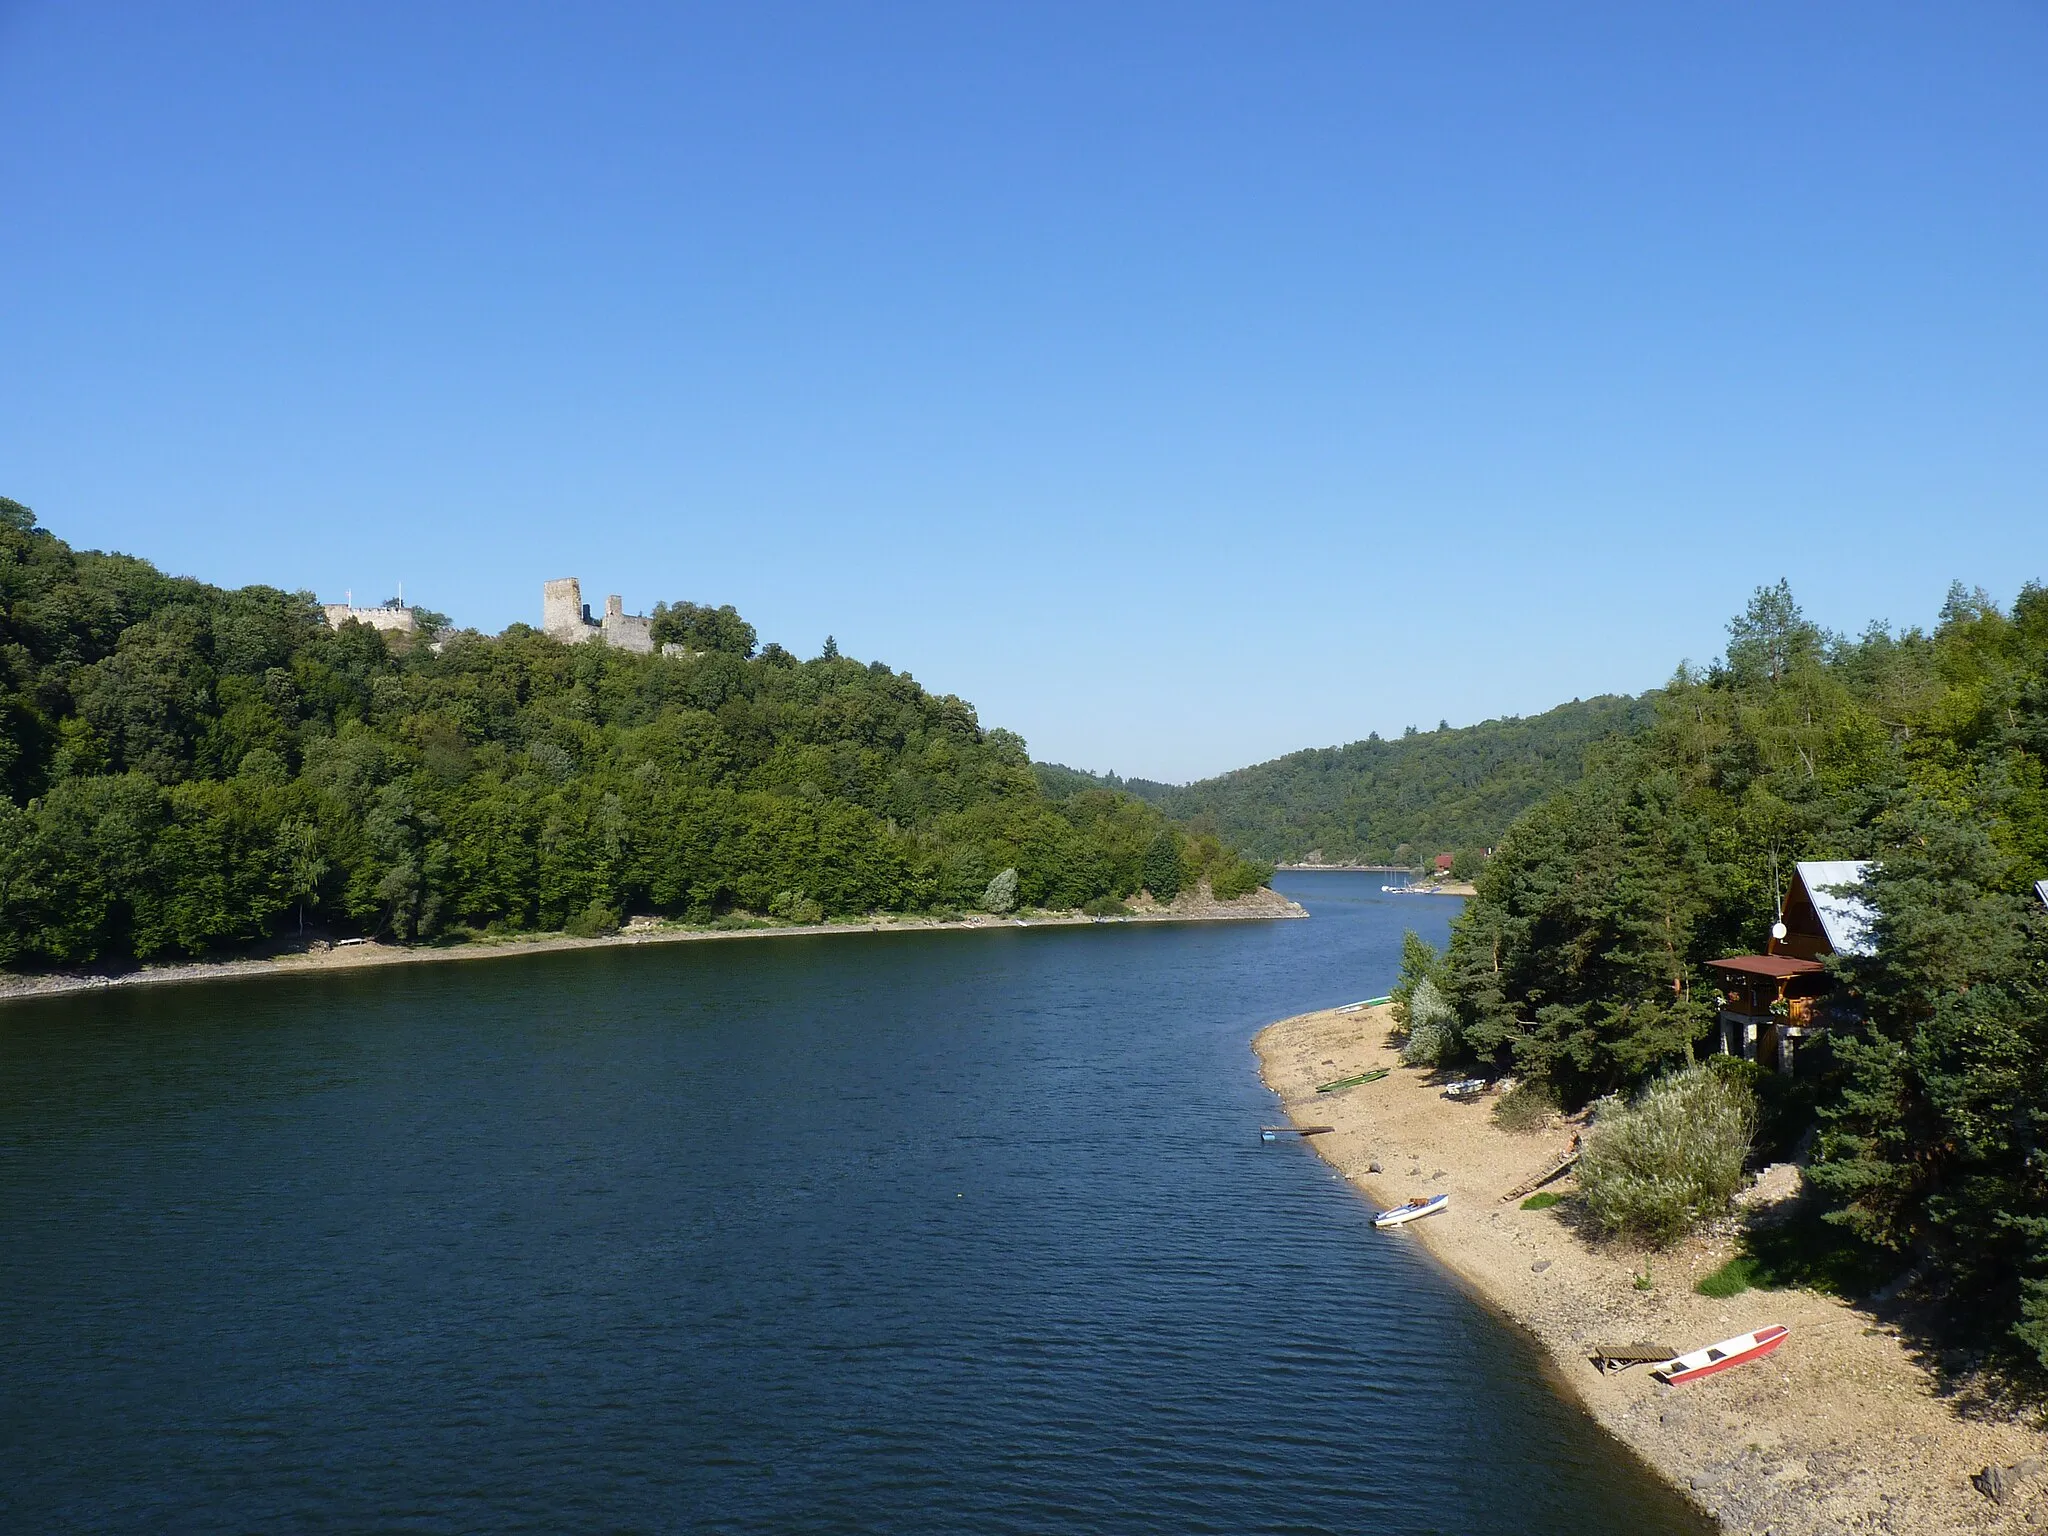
x=339, y=614
x=564, y=617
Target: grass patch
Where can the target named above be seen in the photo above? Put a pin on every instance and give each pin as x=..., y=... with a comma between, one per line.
x=1817, y=1255
x=1806, y=1253
x=1739, y=1274
x=1543, y=1201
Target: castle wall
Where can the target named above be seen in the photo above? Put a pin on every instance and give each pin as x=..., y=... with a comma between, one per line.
x=564, y=616
x=400, y=619
x=628, y=631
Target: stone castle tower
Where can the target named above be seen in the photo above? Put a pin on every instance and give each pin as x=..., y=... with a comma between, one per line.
x=564, y=615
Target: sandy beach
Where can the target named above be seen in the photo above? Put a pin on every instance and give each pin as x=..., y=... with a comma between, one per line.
x=1843, y=1429
x=1196, y=906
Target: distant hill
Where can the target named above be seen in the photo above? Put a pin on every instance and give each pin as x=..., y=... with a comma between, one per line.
x=187, y=770
x=1385, y=801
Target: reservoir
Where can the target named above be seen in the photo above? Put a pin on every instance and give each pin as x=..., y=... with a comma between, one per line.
x=938, y=1232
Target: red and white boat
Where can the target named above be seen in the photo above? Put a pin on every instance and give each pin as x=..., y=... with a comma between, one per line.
x=1740, y=1350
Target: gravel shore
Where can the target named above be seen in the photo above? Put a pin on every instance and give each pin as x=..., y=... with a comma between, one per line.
x=1843, y=1429
x=1196, y=906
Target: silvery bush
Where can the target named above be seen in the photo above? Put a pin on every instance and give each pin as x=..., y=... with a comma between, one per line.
x=1001, y=894
x=1671, y=1161
x=1431, y=1018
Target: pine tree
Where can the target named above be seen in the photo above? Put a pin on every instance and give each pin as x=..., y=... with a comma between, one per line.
x=1162, y=866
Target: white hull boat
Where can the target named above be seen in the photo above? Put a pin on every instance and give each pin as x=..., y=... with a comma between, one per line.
x=1414, y=1210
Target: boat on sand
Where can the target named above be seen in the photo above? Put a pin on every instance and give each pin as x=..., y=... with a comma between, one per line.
x=1421, y=1205
x=1352, y=1082
x=1715, y=1358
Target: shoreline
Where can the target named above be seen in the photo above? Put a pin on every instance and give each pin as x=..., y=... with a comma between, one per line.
x=1345, y=869
x=1842, y=1429
x=1263, y=905
x=1429, y=887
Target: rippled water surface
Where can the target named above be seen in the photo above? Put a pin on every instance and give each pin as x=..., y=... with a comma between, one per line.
x=942, y=1232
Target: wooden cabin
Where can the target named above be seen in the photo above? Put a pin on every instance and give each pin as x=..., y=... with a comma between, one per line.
x=1770, y=1002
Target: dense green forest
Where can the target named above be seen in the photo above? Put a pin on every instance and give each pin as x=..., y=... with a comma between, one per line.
x=1579, y=964
x=185, y=769
x=1388, y=802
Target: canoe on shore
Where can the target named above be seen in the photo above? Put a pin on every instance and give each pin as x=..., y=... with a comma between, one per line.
x=1368, y=1002
x=1715, y=1358
x=1420, y=1206
x=1352, y=1082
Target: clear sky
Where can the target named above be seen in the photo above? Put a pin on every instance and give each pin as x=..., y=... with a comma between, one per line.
x=1182, y=384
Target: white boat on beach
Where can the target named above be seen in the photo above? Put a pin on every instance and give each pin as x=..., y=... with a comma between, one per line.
x=1420, y=1206
x=1715, y=1358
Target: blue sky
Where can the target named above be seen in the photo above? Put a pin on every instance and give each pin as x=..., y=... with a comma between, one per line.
x=1182, y=384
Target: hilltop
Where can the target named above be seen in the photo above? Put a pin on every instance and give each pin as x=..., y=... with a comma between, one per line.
x=1381, y=801
x=187, y=770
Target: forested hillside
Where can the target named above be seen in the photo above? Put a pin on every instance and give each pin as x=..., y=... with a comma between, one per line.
x=1580, y=962
x=186, y=769
x=1390, y=802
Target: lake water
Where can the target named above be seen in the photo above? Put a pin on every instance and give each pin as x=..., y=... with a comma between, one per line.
x=924, y=1232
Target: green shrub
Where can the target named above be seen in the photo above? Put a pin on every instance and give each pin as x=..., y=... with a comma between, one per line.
x=795, y=907
x=593, y=922
x=1784, y=1104
x=1431, y=1038
x=1542, y=1201
x=1235, y=877
x=1105, y=906
x=1672, y=1160
x=1525, y=1108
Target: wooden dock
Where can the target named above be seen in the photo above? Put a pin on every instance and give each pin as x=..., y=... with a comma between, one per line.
x=1529, y=1186
x=1619, y=1357
x=1296, y=1130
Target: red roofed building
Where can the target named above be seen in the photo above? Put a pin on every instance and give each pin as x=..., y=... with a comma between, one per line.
x=1443, y=863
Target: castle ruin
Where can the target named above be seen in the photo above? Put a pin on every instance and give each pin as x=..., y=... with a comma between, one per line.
x=565, y=616
x=390, y=616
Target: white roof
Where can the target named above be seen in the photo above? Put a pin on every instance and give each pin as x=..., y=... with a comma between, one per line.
x=2041, y=890
x=1845, y=918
